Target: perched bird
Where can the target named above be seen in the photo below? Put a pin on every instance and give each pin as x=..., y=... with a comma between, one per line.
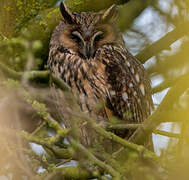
x=88, y=53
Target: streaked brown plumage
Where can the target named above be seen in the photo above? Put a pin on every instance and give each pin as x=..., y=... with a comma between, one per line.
x=87, y=51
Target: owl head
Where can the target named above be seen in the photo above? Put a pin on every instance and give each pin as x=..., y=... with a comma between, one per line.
x=85, y=32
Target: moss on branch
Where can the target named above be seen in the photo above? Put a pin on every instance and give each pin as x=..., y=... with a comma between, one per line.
x=59, y=153
x=123, y=126
x=75, y=173
x=126, y=144
x=36, y=76
x=92, y=5
x=41, y=27
x=107, y=168
x=31, y=75
x=9, y=72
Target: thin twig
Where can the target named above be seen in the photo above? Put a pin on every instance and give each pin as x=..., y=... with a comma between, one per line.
x=165, y=133
x=123, y=126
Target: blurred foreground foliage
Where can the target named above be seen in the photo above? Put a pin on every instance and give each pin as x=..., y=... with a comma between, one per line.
x=34, y=142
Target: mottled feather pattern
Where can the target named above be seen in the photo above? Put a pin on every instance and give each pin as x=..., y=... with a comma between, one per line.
x=117, y=81
x=89, y=54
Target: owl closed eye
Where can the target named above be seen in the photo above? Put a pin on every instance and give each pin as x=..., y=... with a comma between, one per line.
x=84, y=34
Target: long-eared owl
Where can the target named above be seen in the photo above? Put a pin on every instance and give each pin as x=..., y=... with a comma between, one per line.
x=88, y=53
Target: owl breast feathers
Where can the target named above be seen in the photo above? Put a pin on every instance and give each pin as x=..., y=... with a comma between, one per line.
x=87, y=51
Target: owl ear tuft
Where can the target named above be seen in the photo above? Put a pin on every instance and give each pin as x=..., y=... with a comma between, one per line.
x=66, y=14
x=110, y=14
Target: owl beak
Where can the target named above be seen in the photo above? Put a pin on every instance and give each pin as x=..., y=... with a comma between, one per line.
x=89, y=52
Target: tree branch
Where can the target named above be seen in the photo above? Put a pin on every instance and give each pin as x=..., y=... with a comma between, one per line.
x=44, y=76
x=126, y=144
x=160, y=114
x=41, y=27
x=75, y=173
x=164, y=85
x=164, y=43
x=9, y=72
x=92, y=5
x=107, y=168
x=60, y=153
x=130, y=11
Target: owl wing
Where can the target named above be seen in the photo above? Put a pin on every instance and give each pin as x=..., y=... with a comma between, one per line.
x=128, y=87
